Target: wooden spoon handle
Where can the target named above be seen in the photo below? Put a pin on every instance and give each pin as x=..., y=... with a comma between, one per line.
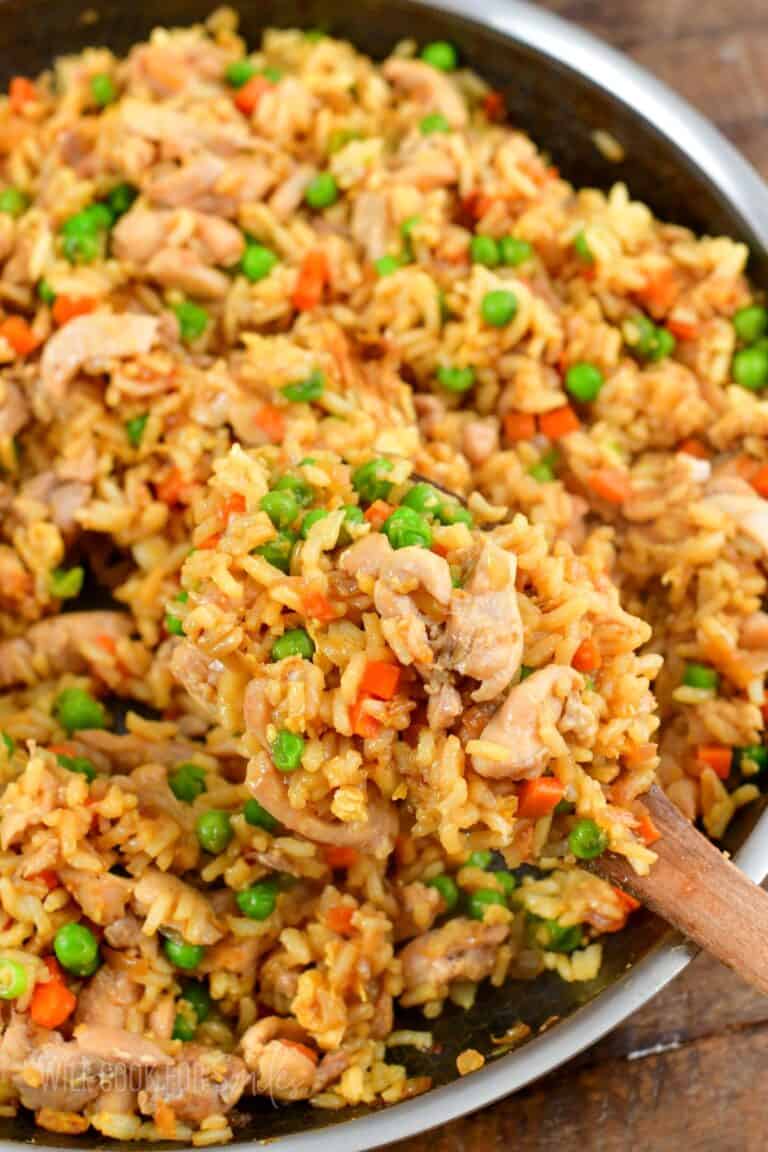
x=697, y=889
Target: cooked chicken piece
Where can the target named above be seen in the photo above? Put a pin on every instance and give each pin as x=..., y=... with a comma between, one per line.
x=403, y=625
x=127, y=750
x=370, y=224
x=57, y=645
x=184, y=269
x=461, y=950
x=420, y=905
x=116, y=1046
x=288, y=195
x=179, y=133
x=196, y=673
x=273, y=1050
x=207, y=184
x=14, y=410
x=180, y=249
x=444, y=705
x=91, y=342
x=376, y=835
x=202, y=1083
x=105, y=999
x=101, y=896
x=125, y=934
x=484, y=637
x=431, y=87
x=413, y=567
x=480, y=439
x=63, y=498
x=739, y=500
x=169, y=902
x=367, y=556
x=533, y=706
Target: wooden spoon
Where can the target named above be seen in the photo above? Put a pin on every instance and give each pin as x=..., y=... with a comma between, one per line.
x=697, y=890
x=692, y=885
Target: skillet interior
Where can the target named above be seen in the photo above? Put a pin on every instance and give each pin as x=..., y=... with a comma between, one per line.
x=559, y=108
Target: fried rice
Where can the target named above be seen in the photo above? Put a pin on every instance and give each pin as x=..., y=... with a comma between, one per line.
x=359, y=477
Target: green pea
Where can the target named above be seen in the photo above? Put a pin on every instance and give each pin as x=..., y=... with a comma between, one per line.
x=314, y=35
x=174, y=625
x=423, y=498
x=14, y=979
x=750, y=323
x=564, y=807
x=287, y=750
x=750, y=368
x=701, y=676
x=508, y=881
x=352, y=515
x=339, y=139
x=386, y=265
x=480, y=859
x=45, y=292
x=447, y=888
x=196, y=995
x=554, y=937
x=184, y=1026
x=484, y=250
x=103, y=90
x=134, y=428
x=80, y=764
x=82, y=249
x=755, y=754
x=214, y=831
x=432, y=123
x=278, y=551
x=405, y=528
x=543, y=472
x=368, y=480
x=258, y=817
x=13, y=202
x=193, y=320
x=499, y=307
x=77, y=949
x=66, y=583
x=455, y=379
x=305, y=391
x=121, y=198
x=440, y=54
x=181, y=954
x=582, y=248
x=322, y=191
x=526, y=671
x=483, y=898
x=282, y=507
x=258, y=902
x=453, y=513
x=8, y=743
x=75, y=709
x=587, y=840
x=310, y=520
x=407, y=227
x=239, y=72
x=665, y=344
x=188, y=782
x=294, y=642
x=257, y=262
x=514, y=252
x=584, y=381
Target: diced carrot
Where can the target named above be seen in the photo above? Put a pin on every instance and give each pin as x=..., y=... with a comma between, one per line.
x=647, y=830
x=539, y=797
x=47, y=877
x=340, y=855
x=363, y=724
x=65, y=748
x=107, y=642
x=210, y=542
x=20, y=92
x=661, y=289
x=559, y=422
x=303, y=1048
x=628, y=901
x=587, y=656
x=378, y=513
x=314, y=274
x=172, y=488
x=19, y=335
x=339, y=919
x=694, y=447
x=519, y=426
x=683, y=329
x=718, y=757
x=65, y=308
x=271, y=421
x=760, y=481
x=473, y=207
x=234, y=505
x=380, y=679
x=317, y=606
x=248, y=97
x=610, y=484
x=494, y=106
x=52, y=1003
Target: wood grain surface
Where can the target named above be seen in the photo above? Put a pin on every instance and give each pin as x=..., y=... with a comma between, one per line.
x=686, y=1073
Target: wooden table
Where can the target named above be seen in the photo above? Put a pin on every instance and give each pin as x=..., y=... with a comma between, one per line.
x=686, y=1073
